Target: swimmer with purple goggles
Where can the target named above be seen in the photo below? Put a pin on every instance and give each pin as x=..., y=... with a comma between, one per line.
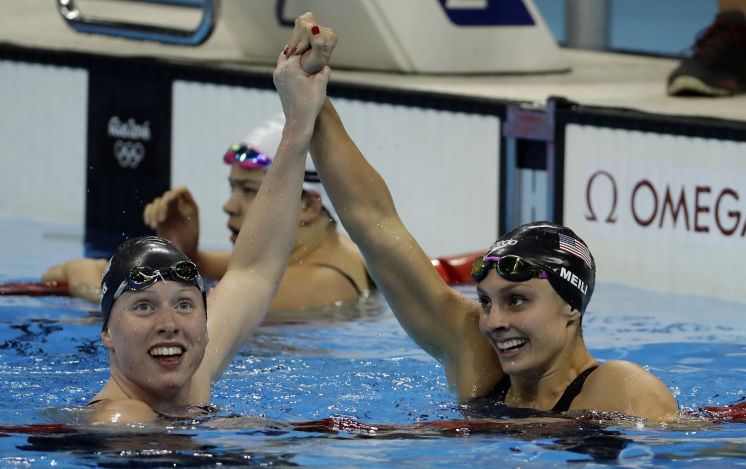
x=246, y=156
x=325, y=266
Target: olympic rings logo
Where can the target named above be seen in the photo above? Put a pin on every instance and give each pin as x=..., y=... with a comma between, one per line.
x=129, y=154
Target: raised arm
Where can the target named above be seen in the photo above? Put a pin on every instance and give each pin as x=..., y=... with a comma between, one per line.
x=441, y=320
x=243, y=296
x=175, y=216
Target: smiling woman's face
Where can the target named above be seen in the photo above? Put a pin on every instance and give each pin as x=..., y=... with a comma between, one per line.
x=157, y=338
x=525, y=322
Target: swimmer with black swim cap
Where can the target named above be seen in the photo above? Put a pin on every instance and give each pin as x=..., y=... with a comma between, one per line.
x=534, y=285
x=522, y=343
x=548, y=250
x=164, y=349
x=140, y=262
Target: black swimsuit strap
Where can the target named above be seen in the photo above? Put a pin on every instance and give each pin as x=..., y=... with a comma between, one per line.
x=500, y=391
x=342, y=273
x=572, y=390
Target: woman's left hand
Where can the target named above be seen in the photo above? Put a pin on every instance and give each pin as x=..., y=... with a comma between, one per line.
x=313, y=43
x=301, y=94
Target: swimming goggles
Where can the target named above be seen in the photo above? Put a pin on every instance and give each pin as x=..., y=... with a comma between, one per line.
x=246, y=157
x=143, y=276
x=512, y=268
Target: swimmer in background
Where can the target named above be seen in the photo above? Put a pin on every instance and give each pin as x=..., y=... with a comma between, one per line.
x=521, y=344
x=167, y=342
x=325, y=266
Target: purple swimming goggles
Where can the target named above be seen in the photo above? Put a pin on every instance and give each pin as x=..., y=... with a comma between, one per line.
x=246, y=157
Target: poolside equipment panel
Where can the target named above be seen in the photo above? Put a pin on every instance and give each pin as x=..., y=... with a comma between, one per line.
x=460, y=36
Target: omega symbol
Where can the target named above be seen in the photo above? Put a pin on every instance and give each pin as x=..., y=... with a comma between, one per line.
x=591, y=216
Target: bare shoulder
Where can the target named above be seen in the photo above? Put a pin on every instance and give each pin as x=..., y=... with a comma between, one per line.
x=118, y=411
x=619, y=367
x=348, y=245
x=335, y=271
x=340, y=252
x=627, y=388
x=313, y=285
x=624, y=376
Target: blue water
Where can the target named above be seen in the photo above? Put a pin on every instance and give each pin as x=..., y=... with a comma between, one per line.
x=365, y=369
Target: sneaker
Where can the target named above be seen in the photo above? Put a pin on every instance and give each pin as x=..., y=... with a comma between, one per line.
x=718, y=65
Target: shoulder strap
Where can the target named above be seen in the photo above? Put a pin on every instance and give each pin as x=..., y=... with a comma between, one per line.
x=500, y=390
x=572, y=390
x=342, y=273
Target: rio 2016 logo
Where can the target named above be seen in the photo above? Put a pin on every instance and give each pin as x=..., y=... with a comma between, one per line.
x=129, y=154
x=129, y=146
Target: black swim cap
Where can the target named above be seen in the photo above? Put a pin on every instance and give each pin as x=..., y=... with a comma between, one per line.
x=146, y=251
x=571, y=268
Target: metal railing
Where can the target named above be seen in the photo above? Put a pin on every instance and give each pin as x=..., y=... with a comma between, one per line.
x=187, y=37
x=587, y=23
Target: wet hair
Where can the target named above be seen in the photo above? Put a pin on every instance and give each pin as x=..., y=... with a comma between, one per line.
x=571, y=269
x=145, y=251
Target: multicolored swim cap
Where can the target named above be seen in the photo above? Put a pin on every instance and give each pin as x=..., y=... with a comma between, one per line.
x=138, y=262
x=566, y=258
x=258, y=148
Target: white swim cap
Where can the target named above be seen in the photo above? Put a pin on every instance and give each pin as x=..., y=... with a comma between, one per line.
x=312, y=181
x=266, y=138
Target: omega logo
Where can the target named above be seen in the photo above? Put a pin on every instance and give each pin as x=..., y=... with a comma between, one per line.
x=611, y=218
x=687, y=208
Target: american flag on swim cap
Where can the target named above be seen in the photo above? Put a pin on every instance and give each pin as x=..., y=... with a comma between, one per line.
x=575, y=247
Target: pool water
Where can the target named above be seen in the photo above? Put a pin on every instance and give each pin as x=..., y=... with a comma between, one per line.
x=375, y=398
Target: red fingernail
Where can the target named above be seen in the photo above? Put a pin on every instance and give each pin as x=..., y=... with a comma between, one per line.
x=315, y=30
x=286, y=51
x=293, y=51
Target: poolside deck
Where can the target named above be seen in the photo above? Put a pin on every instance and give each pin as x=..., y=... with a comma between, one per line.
x=603, y=79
